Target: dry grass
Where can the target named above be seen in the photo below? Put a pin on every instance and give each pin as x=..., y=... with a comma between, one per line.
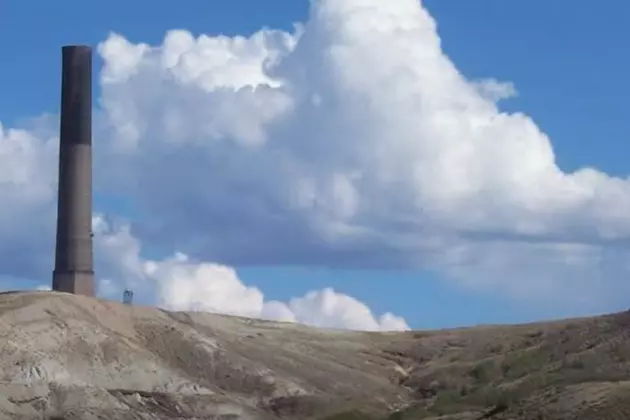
x=77, y=357
x=555, y=370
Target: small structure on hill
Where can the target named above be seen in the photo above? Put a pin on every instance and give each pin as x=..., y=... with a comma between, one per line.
x=128, y=297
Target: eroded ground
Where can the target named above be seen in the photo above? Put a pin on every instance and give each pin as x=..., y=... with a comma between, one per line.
x=74, y=357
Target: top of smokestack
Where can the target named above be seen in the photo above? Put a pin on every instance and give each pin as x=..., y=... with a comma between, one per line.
x=76, y=95
x=77, y=46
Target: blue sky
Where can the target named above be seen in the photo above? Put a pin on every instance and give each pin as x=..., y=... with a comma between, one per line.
x=566, y=60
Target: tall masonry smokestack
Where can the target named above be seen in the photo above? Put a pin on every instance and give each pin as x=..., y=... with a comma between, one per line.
x=74, y=271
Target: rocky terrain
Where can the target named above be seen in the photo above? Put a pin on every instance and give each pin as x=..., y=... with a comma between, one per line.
x=72, y=357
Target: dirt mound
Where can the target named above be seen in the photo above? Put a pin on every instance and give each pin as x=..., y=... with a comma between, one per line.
x=72, y=357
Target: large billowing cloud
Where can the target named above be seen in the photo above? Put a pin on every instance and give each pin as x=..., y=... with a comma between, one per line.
x=351, y=142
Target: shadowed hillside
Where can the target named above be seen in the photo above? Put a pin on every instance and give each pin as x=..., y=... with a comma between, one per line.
x=74, y=357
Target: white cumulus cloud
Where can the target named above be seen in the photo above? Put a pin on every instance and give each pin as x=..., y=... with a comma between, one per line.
x=181, y=284
x=353, y=141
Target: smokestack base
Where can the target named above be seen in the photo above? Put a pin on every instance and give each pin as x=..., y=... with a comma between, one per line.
x=77, y=282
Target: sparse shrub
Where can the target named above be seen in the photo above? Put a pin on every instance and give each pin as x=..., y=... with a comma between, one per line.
x=535, y=334
x=350, y=415
x=519, y=364
x=495, y=348
x=483, y=371
x=478, y=372
x=447, y=402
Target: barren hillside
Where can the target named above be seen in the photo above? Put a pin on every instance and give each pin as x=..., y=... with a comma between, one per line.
x=72, y=357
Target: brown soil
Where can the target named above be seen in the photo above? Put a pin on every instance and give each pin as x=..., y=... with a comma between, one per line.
x=72, y=357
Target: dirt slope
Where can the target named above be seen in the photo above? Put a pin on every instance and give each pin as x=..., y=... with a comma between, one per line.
x=71, y=357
